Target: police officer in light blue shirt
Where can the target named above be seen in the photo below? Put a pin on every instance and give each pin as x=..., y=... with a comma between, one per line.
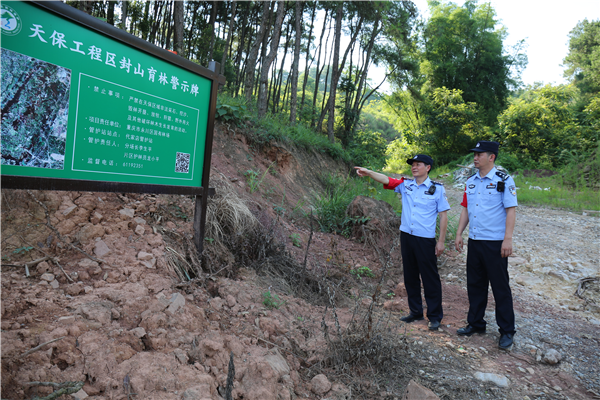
x=422, y=201
x=489, y=202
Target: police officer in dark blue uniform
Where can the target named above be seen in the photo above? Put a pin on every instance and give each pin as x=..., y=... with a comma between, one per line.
x=422, y=201
x=489, y=202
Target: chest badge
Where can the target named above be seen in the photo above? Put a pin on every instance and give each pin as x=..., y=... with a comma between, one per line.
x=472, y=186
x=491, y=186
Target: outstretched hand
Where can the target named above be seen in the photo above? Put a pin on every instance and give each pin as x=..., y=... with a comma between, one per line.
x=362, y=171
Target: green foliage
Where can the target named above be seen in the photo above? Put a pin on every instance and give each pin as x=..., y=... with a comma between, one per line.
x=296, y=241
x=362, y=271
x=583, y=60
x=276, y=128
x=179, y=212
x=279, y=210
x=450, y=126
x=271, y=300
x=330, y=207
x=377, y=117
x=509, y=161
x=586, y=172
x=368, y=149
x=230, y=109
x=22, y=250
x=398, y=152
x=463, y=50
x=255, y=179
x=541, y=127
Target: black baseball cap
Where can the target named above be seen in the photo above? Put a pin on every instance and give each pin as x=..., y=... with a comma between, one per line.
x=484, y=145
x=420, y=157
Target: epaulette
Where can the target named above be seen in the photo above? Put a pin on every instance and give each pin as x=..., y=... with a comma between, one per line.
x=437, y=183
x=503, y=175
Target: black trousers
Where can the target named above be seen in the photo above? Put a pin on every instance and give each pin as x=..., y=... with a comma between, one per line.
x=418, y=258
x=485, y=265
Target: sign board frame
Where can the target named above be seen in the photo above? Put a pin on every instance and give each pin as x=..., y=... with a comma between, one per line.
x=71, y=14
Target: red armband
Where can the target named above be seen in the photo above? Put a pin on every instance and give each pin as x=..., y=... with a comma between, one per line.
x=393, y=183
x=464, y=201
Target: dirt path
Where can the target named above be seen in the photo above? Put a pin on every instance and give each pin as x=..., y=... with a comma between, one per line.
x=554, y=249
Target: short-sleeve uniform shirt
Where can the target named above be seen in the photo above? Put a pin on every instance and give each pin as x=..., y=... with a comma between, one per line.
x=487, y=206
x=419, y=207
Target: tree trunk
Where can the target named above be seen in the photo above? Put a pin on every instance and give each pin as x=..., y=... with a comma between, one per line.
x=363, y=76
x=178, y=27
x=263, y=52
x=191, y=32
x=264, y=75
x=319, y=69
x=229, y=36
x=145, y=25
x=295, y=62
x=211, y=24
x=157, y=13
x=86, y=6
x=253, y=55
x=123, y=15
x=277, y=91
x=336, y=71
x=168, y=18
x=110, y=14
x=336, y=76
x=306, y=65
x=325, y=106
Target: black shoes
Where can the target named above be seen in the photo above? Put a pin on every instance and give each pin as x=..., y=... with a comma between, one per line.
x=411, y=318
x=469, y=330
x=506, y=340
x=433, y=325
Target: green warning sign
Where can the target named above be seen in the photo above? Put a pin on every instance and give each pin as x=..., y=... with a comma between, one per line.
x=78, y=103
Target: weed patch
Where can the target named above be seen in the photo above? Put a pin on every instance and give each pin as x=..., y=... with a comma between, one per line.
x=271, y=300
x=553, y=191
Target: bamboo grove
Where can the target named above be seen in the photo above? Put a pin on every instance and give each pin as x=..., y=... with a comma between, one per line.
x=308, y=59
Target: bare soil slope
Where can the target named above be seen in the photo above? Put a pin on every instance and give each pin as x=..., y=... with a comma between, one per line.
x=107, y=307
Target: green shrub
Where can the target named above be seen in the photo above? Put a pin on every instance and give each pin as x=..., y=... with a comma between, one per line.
x=255, y=179
x=271, y=300
x=368, y=149
x=362, y=271
x=296, y=241
x=230, y=109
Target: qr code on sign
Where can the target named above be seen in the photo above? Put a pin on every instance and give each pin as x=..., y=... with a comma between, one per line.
x=182, y=163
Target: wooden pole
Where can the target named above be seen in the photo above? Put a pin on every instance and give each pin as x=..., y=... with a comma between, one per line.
x=202, y=200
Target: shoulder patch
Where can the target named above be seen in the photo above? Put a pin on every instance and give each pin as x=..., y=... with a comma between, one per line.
x=503, y=175
x=437, y=183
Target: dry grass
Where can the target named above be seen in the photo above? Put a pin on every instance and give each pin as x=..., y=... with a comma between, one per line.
x=227, y=213
x=367, y=347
